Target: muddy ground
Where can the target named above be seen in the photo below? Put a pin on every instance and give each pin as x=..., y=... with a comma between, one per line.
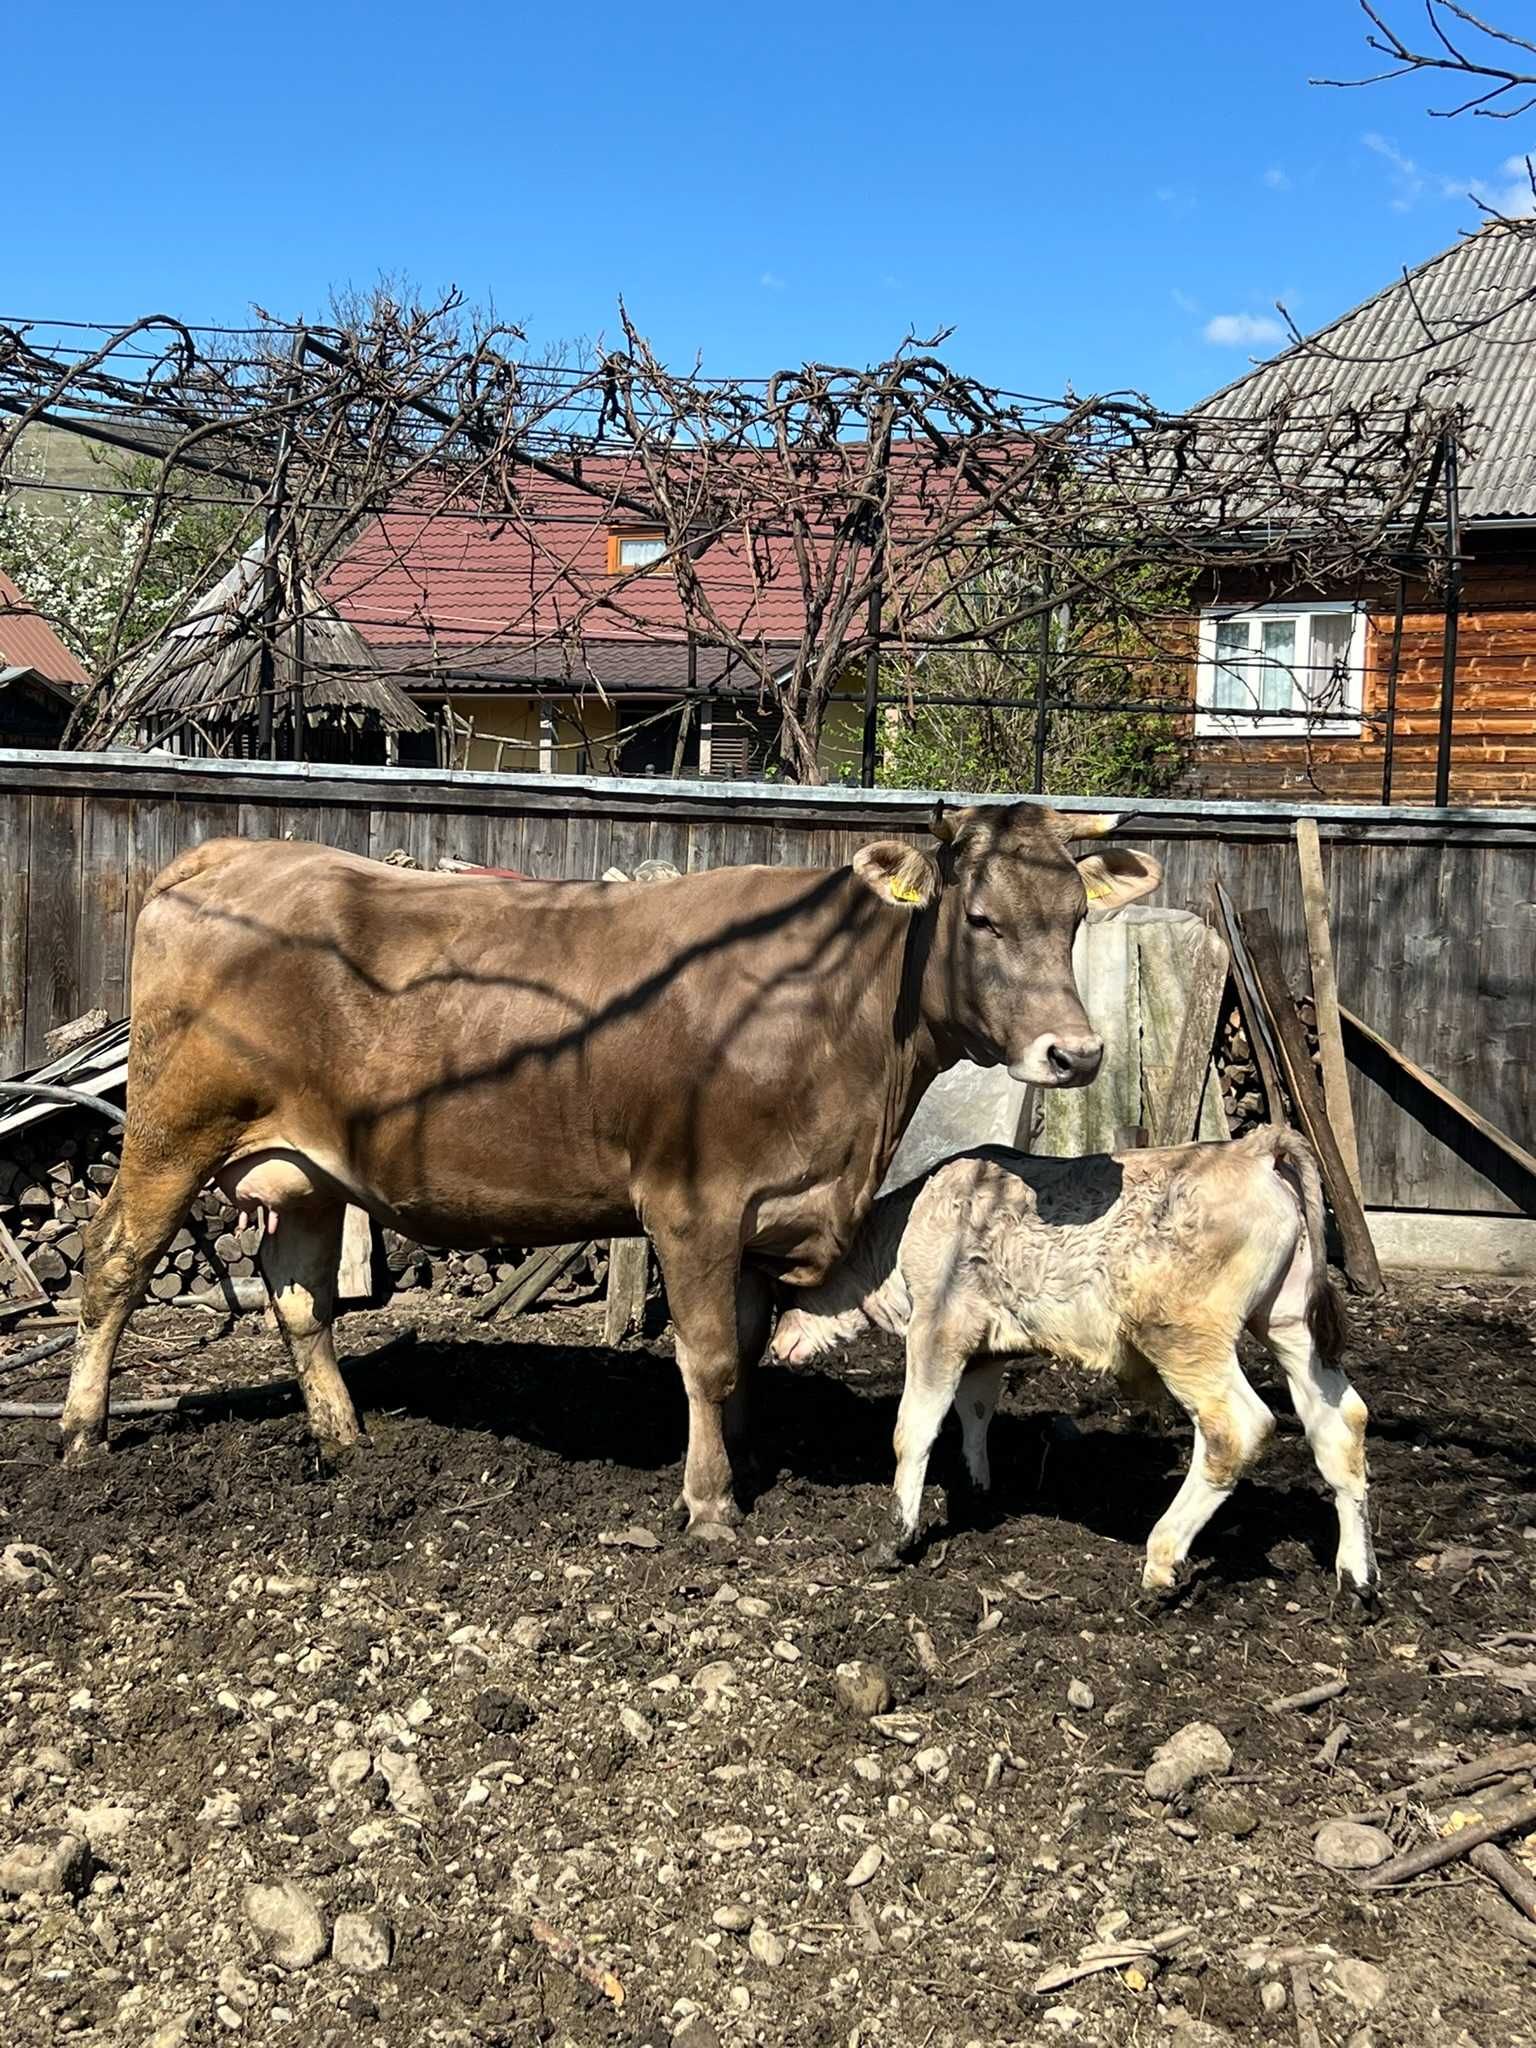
x=631, y=1742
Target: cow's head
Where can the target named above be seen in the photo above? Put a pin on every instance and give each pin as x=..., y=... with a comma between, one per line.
x=1008, y=898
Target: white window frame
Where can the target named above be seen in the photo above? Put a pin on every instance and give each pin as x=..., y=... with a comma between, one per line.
x=1341, y=722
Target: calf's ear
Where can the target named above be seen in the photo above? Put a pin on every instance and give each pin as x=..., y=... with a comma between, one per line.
x=1117, y=876
x=897, y=874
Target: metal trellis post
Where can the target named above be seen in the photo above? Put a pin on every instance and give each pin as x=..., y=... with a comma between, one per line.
x=1452, y=626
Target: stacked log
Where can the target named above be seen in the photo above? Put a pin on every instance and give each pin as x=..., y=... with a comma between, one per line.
x=54, y=1176
x=1242, y=1090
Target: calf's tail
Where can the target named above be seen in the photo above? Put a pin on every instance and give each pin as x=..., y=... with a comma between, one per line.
x=1297, y=1162
x=864, y=1287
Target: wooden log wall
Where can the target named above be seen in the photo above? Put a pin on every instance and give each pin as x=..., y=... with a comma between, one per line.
x=1434, y=914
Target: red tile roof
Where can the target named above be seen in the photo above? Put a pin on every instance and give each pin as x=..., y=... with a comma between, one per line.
x=28, y=641
x=426, y=584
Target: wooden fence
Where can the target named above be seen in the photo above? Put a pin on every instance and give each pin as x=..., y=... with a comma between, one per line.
x=1434, y=912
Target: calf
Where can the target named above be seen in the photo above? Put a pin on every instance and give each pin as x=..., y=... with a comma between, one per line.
x=1146, y=1264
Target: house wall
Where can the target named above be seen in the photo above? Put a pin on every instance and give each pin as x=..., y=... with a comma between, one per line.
x=516, y=720
x=1493, y=755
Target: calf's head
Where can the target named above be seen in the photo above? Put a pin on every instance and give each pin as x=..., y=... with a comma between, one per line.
x=1007, y=898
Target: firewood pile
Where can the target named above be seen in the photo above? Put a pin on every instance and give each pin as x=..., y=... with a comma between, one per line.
x=54, y=1176
x=467, y=1275
x=1242, y=1090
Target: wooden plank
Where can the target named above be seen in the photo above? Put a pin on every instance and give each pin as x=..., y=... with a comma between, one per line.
x=586, y=846
x=629, y=843
x=106, y=843
x=1360, y=1261
x=629, y=1273
x=1177, y=1117
x=1265, y=1053
x=15, y=898
x=1499, y=1140
x=1325, y=997
x=544, y=847
x=53, y=935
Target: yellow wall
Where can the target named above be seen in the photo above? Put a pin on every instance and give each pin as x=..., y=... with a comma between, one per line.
x=516, y=719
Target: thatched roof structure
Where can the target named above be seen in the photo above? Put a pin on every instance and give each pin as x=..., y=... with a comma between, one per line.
x=206, y=673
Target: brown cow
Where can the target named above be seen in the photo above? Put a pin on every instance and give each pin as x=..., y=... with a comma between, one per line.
x=1147, y=1265
x=726, y=1060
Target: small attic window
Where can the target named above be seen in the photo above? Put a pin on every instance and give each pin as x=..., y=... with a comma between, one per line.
x=632, y=547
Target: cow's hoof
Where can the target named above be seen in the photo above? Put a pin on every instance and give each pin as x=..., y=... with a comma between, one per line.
x=720, y=1533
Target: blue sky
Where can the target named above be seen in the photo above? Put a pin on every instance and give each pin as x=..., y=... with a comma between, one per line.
x=1106, y=195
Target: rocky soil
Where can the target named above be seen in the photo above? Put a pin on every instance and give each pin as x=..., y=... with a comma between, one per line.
x=459, y=1742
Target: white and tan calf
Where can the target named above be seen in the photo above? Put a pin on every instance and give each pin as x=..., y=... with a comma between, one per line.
x=1147, y=1265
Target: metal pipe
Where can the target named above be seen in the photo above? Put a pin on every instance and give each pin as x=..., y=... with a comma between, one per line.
x=1452, y=627
x=1392, y=671
x=871, y=684
x=44, y=1091
x=1042, y=678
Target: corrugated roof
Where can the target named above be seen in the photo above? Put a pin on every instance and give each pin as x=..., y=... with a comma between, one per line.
x=619, y=667
x=1384, y=350
x=28, y=641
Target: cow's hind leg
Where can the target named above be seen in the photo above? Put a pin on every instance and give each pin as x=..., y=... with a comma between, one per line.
x=299, y=1257
x=141, y=1214
x=1334, y=1417
x=710, y=1310
x=1232, y=1426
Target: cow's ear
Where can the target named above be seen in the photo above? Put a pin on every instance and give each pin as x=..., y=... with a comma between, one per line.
x=897, y=874
x=1117, y=876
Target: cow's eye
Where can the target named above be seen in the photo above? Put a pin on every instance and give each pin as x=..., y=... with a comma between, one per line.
x=979, y=922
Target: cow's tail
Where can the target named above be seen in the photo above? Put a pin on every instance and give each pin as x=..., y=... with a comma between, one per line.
x=1296, y=1162
x=866, y=1286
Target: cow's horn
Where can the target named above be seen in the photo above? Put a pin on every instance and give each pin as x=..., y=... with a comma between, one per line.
x=940, y=825
x=1089, y=824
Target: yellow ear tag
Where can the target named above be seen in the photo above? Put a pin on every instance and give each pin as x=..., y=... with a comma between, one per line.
x=1097, y=891
x=903, y=892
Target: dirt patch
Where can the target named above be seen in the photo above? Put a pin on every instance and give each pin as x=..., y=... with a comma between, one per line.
x=633, y=1743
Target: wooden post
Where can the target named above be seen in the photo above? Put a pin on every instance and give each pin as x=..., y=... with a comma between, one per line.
x=629, y=1274
x=1325, y=995
x=1249, y=1002
x=1360, y=1261
x=1176, y=1117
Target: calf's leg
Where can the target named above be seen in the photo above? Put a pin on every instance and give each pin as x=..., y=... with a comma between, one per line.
x=975, y=1404
x=1334, y=1417
x=1232, y=1426
x=937, y=1355
x=298, y=1262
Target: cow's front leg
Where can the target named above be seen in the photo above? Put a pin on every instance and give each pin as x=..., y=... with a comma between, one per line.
x=702, y=1292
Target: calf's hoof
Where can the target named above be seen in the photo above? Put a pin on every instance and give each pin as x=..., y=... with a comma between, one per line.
x=83, y=1446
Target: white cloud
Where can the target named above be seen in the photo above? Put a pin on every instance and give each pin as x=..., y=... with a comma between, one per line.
x=1276, y=179
x=1243, y=330
x=1510, y=194
x=1407, y=178
x=771, y=281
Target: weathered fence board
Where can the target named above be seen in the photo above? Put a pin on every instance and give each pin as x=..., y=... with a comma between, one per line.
x=1434, y=912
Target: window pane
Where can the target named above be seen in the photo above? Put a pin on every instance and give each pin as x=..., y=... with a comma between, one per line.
x=1229, y=687
x=1277, y=681
x=636, y=549
x=1328, y=681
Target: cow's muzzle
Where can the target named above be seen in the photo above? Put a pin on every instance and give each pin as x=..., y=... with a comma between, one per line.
x=1057, y=1062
